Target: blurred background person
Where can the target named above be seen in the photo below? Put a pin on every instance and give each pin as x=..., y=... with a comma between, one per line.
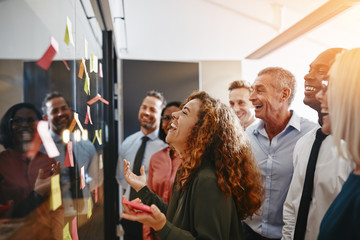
x=239, y=94
x=25, y=175
x=163, y=165
x=341, y=220
x=218, y=182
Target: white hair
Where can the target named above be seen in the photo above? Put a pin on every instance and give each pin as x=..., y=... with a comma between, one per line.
x=344, y=103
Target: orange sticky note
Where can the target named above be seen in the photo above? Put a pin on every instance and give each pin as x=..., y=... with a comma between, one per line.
x=88, y=115
x=82, y=177
x=72, y=125
x=81, y=69
x=74, y=232
x=100, y=70
x=55, y=196
x=69, y=158
x=45, y=61
x=104, y=101
x=47, y=140
x=96, y=194
x=89, y=213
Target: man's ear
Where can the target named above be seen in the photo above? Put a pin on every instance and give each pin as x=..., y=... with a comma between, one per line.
x=286, y=92
x=45, y=117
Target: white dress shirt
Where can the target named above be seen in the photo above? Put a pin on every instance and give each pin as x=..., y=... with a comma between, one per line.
x=330, y=174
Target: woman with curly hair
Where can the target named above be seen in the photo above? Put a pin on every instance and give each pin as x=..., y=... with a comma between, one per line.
x=218, y=183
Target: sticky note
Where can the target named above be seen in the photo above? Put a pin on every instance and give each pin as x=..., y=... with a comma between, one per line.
x=47, y=140
x=45, y=61
x=72, y=125
x=66, y=232
x=96, y=194
x=55, y=196
x=86, y=49
x=88, y=115
x=68, y=33
x=69, y=158
x=87, y=84
x=89, y=213
x=101, y=162
x=98, y=136
x=93, y=63
x=74, y=232
x=76, y=117
x=82, y=177
x=97, y=98
x=100, y=70
x=81, y=69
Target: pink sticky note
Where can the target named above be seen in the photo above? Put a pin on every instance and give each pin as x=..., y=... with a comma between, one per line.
x=88, y=116
x=74, y=233
x=104, y=101
x=46, y=60
x=82, y=179
x=96, y=194
x=69, y=158
x=49, y=145
x=100, y=70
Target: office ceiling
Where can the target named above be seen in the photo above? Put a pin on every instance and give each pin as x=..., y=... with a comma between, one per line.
x=195, y=30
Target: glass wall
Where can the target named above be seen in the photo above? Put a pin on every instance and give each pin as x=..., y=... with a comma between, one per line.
x=51, y=160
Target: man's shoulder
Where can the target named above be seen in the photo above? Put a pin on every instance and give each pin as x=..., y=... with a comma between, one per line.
x=132, y=137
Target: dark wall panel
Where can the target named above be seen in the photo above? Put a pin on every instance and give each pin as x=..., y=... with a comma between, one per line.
x=176, y=80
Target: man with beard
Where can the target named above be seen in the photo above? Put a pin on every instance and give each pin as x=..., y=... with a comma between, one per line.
x=239, y=93
x=147, y=142
x=302, y=220
x=75, y=199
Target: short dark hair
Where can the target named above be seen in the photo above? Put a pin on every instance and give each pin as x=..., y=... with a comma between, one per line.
x=158, y=95
x=50, y=96
x=162, y=134
x=6, y=136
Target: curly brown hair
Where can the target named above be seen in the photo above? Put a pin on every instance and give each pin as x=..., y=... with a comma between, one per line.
x=219, y=137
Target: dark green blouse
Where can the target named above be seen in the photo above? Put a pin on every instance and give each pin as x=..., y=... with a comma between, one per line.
x=200, y=212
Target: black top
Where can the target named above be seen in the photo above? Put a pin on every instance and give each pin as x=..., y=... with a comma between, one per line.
x=200, y=212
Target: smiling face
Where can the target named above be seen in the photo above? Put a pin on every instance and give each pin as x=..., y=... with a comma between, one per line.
x=182, y=125
x=150, y=114
x=266, y=98
x=322, y=97
x=318, y=70
x=240, y=103
x=167, y=117
x=23, y=126
x=58, y=114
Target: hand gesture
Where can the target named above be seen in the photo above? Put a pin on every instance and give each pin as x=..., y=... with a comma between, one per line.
x=156, y=220
x=135, y=181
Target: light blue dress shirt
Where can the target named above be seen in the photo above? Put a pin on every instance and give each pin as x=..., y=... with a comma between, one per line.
x=275, y=160
x=128, y=150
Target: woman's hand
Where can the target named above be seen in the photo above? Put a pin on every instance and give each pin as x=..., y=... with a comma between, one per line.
x=136, y=182
x=156, y=220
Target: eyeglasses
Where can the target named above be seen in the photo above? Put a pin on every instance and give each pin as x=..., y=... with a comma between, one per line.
x=20, y=120
x=167, y=117
x=324, y=84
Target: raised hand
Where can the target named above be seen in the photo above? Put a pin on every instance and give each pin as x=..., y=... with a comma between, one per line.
x=135, y=181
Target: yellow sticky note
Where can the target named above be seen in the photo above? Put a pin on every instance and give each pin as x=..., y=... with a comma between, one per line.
x=55, y=196
x=101, y=165
x=86, y=49
x=68, y=33
x=66, y=232
x=93, y=63
x=87, y=84
x=98, y=136
x=89, y=213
